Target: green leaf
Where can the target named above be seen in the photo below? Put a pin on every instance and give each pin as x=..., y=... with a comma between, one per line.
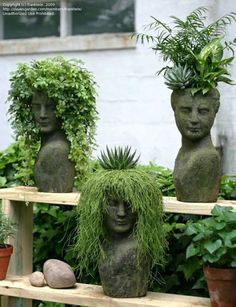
x=190, y=267
x=211, y=247
x=3, y=181
x=191, y=251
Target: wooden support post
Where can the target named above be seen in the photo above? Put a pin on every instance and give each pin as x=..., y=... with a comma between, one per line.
x=21, y=259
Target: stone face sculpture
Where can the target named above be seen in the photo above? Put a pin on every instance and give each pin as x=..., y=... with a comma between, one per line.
x=197, y=166
x=53, y=171
x=52, y=104
x=120, y=230
x=121, y=273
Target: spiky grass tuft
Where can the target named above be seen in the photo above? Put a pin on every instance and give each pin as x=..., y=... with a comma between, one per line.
x=137, y=188
x=118, y=158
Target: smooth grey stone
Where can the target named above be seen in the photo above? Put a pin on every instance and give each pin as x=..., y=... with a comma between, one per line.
x=58, y=274
x=37, y=279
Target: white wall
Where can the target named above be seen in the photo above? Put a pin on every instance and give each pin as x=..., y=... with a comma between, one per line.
x=134, y=104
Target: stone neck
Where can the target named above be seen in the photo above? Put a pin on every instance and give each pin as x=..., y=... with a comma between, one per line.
x=119, y=237
x=57, y=135
x=188, y=144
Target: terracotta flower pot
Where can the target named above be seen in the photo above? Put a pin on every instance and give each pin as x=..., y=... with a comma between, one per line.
x=5, y=255
x=221, y=286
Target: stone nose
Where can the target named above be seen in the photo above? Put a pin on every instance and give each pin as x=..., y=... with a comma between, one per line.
x=121, y=210
x=43, y=112
x=194, y=117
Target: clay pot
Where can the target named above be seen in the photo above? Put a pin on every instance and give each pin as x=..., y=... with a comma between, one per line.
x=5, y=255
x=221, y=286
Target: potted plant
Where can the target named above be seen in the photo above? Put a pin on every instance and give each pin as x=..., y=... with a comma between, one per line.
x=120, y=225
x=6, y=230
x=53, y=107
x=213, y=244
x=196, y=63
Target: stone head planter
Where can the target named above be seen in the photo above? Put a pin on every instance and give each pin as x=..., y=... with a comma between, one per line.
x=196, y=63
x=122, y=273
x=120, y=228
x=197, y=166
x=53, y=171
x=52, y=111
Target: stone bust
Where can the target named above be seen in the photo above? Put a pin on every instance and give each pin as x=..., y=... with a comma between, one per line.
x=120, y=272
x=197, y=168
x=53, y=171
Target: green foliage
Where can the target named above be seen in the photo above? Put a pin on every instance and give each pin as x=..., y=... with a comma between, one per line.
x=7, y=228
x=179, y=276
x=213, y=239
x=13, y=170
x=58, y=223
x=71, y=87
x=137, y=188
x=195, y=50
x=228, y=187
x=118, y=158
x=163, y=177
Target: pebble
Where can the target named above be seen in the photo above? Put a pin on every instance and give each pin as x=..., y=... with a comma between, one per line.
x=37, y=279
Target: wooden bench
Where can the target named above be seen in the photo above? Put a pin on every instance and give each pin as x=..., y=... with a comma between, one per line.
x=16, y=289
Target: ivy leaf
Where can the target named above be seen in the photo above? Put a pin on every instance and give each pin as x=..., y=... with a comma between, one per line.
x=191, y=251
x=212, y=246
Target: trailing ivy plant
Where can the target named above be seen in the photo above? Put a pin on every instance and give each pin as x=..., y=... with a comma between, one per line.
x=194, y=50
x=72, y=88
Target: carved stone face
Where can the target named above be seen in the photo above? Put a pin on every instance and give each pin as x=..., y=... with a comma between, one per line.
x=44, y=113
x=119, y=217
x=194, y=115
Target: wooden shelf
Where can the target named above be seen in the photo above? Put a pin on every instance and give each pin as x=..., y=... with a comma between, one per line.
x=92, y=296
x=31, y=194
x=17, y=203
x=171, y=205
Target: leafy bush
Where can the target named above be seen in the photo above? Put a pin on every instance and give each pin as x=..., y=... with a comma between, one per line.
x=194, y=49
x=213, y=239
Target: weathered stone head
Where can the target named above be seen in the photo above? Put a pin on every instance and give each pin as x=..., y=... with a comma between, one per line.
x=119, y=219
x=195, y=115
x=120, y=229
x=44, y=112
x=197, y=165
x=53, y=104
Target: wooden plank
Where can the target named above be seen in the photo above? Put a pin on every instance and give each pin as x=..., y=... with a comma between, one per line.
x=92, y=296
x=31, y=194
x=21, y=259
x=4, y=301
x=172, y=205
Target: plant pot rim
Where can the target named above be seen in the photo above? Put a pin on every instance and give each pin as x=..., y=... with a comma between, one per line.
x=215, y=273
x=7, y=246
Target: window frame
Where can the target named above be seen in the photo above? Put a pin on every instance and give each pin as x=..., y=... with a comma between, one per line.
x=66, y=41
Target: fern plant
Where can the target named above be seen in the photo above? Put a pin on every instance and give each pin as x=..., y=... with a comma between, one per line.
x=195, y=50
